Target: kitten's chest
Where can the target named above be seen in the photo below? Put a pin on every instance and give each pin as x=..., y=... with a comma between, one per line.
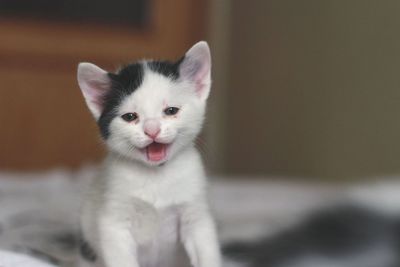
x=168, y=226
x=165, y=192
x=179, y=181
x=163, y=196
x=164, y=246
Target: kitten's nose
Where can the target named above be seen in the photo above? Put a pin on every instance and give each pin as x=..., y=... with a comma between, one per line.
x=152, y=128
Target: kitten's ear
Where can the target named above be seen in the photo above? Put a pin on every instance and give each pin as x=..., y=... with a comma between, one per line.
x=94, y=83
x=196, y=67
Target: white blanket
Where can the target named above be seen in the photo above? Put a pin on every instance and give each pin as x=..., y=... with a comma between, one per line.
x=12, y=259
x=39, y=211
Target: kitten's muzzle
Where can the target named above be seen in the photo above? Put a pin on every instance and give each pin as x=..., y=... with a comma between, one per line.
x=152, y=127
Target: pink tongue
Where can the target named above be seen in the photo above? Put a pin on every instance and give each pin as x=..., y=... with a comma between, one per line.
x=156, y=151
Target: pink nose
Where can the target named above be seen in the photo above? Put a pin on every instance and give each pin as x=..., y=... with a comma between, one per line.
x=152, y=128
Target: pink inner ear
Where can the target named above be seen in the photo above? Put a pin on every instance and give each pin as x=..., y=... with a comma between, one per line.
x=200, y=77
x=94, y=83
x=96, y=91
x=196, y=70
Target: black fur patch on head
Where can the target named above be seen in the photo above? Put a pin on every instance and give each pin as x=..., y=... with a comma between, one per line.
x=87, y=251
x=123, y=83
x=166, y=68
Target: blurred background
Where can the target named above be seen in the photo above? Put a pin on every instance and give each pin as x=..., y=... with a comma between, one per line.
x=301, y=88
x=305, y=99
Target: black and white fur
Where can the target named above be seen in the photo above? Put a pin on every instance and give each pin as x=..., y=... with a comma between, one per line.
x=147, y=208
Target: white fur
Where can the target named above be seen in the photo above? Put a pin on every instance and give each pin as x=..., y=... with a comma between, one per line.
x=148, y=102
x=139, y=213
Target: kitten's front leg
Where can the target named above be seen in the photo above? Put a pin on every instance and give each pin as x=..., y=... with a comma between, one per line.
x=199, y=236
x=116, y=243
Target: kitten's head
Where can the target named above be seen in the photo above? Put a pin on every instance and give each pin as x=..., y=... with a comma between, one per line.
x=149, y=110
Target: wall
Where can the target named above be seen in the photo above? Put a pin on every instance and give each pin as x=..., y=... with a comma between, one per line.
x=314, y=88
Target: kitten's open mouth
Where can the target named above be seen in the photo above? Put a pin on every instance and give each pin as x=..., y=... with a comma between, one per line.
x=156, y=151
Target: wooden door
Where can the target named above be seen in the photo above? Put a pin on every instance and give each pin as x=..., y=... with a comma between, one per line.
x=43, y=120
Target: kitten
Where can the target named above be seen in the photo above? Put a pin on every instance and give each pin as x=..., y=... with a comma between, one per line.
x=148, y=205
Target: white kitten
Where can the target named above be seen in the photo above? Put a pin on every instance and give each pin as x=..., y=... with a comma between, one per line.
x=148, y=204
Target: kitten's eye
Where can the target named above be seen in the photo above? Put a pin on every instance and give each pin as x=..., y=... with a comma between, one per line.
x=171, y=111
x=129, y=117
